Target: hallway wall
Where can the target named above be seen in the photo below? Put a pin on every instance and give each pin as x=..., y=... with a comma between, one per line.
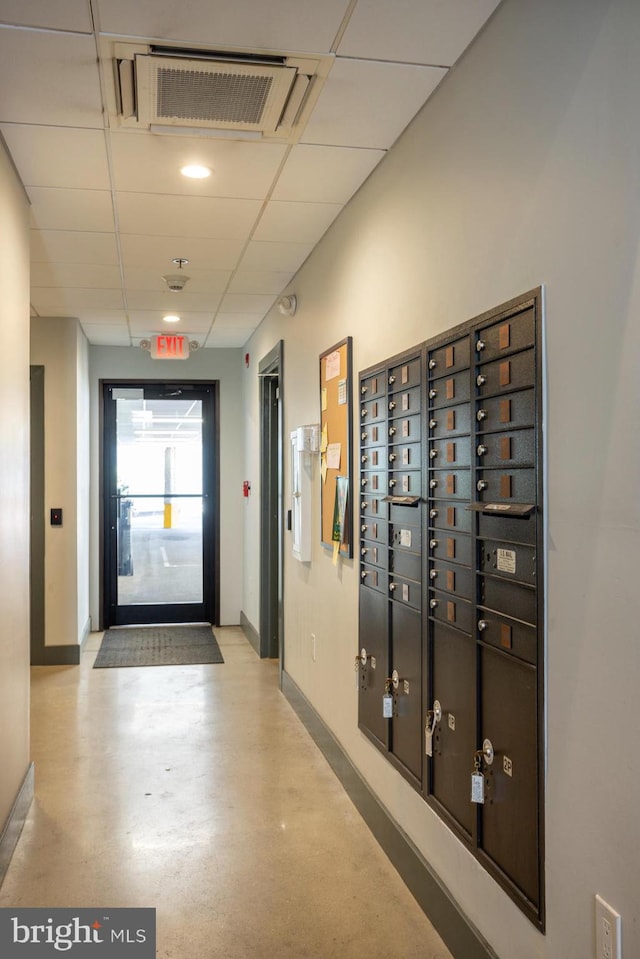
x=225, y=366
x=59, y=344
x=523, y=169
x=14, y=487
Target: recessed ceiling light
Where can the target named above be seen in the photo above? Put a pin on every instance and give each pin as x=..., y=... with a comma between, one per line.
x=196, y=172
x=171, y=318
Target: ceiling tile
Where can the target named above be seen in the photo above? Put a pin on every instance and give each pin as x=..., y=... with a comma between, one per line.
x=259, y=282
x=302, y=25
x=61, y=15
x=55, y=209
x=200, y=281
x=58, y=157
x=59, y=301
x=414, y=31
x=146, y=321
x=75, y=274
x=179, y=303
x=278, y=257
x=246, y=303
x=59, y=246
x=298, y=222
x=368, y=104
x=99, y=335
x=232, y=321
x=228, y=338
x=49, y=78
x=188, y=216
x=151, y=164
x=157, y=252
x=324, y=174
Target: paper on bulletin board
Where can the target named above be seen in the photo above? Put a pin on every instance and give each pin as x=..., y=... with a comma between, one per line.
x=332, y=366
x=323, y=398
x=324, y=439
x=323, y=468
x=342, y=392
x=333, y=456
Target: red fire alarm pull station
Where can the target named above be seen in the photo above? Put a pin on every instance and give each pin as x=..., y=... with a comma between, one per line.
x=246, y=488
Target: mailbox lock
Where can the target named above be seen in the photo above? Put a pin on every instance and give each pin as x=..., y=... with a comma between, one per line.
x=364, y=573
x=392, y=457
x=363, y=436
x=481, y=450
x=364, y=481
x=481, y=379
x=433, y=715
x=392, y=380
x=433, y=483
x=433, y=573
x=433, y=424
x=433, y=603
x=392, y=483
x=364, y=550
x=392, y=431
x=486, y=752
x=363, y=411
x=433, y=543
x=433, y=513
x=433, y=394
x=364, y=458
x=480, y=346
x=432, y=364
x=363, y=657
x=433, y=454
x=395, y=679
x=392, y=587
x=392, y=405
x=481, y=484
x=364, y=389
x=363, y=504
x=364, y=528
x=482, y=625
x=481, y=415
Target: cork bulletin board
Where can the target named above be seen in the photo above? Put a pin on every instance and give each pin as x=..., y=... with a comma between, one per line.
x=336, y=506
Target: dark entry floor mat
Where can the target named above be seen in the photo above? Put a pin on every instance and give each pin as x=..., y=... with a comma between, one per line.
x=158, y=646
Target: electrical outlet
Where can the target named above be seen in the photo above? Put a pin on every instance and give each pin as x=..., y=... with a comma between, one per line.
x=313, y=647
x=608, y=931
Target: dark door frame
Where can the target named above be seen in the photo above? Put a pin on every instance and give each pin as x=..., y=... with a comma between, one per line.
x=270, y=370
x=211, y=508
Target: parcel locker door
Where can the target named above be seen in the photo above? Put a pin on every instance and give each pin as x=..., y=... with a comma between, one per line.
x=509, y=833
x=406, y=658
x=373, y=641
x=454, y=687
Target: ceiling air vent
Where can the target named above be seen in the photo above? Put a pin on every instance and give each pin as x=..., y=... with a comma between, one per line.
x=207, y=94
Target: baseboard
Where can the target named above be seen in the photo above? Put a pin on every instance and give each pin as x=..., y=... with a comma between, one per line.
x=252, y=634
x=57, y=656
x=459, y=934
x=15, y=822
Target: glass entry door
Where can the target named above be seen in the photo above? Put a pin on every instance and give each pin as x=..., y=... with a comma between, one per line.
x=160, y=503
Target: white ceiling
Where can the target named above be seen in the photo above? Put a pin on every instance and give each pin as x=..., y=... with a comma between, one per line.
x=109, y=207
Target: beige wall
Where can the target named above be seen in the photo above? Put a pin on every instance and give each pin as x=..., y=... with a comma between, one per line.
x=522, y=170
x=14, y=487
x=58, y=344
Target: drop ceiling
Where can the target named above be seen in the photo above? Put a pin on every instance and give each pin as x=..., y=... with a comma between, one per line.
x=110, y=210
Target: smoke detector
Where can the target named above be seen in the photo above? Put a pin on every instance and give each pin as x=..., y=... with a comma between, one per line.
x=177, y=281
x=288, y=305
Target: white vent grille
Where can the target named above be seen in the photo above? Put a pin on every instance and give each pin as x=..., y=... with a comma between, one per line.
x=214, y=97
x=209, y=94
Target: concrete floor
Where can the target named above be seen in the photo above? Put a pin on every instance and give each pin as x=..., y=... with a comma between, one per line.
x=197, y=791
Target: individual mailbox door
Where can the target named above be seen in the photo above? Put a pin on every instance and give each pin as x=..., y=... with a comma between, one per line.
x=373, y=638
x=507, y=412
x=455, y=516
x=448, y=390
x=513, y=372
x=450, y=358
x=510, y=826
x=512, y=448
x=405, y=375
x=513, y=334
x=448, y=422
x=406, y=658
x=453, y=685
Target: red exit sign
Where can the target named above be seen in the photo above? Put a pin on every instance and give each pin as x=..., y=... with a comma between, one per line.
x=169, y=347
